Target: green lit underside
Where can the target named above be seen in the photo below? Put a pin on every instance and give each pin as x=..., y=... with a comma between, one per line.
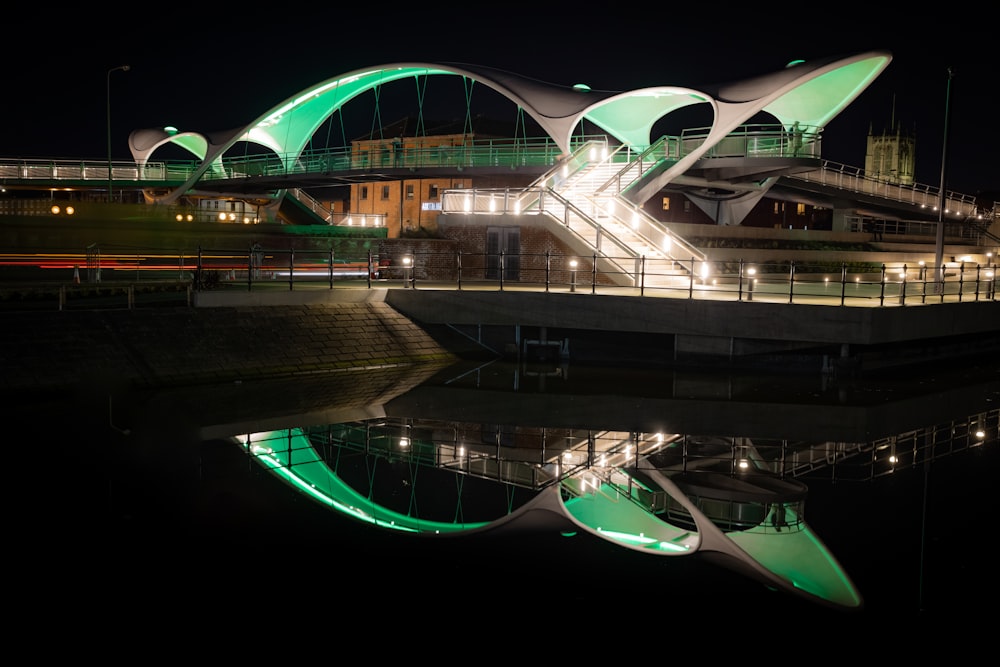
x=795, y=560
x=310, y=475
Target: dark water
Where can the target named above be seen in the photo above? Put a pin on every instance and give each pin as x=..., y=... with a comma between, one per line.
x=128, y=497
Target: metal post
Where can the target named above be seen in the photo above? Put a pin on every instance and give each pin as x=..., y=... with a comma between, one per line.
x=548, y=266
x=123, y=68
x=458, y=262
x=902, y=286
x=331, y=267
x=291, y=268
x=843, y=282
x=593, y=276
x=881, y=295
x=739, y=289
x=961, y=280
x=642, y=276
x=791, y=281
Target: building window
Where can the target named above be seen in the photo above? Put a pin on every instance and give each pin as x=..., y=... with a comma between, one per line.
x=364, y=192
x=409, y=191
x=666, y=203
x=432, y=192
x=800, y=209
x=687, y=206
x=776, y=211
x=385, y=192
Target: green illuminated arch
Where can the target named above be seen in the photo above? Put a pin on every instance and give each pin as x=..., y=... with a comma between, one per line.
x=811, y=93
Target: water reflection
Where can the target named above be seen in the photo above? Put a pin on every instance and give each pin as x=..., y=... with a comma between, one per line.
x=801, y=493
x=647, y=463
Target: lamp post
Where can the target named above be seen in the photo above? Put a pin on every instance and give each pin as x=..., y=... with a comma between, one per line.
x=940, y=276
x=123, y=68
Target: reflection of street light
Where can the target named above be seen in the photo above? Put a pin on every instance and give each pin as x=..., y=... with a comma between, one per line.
x=407, y=261
x=123, y=68
x=572, y=275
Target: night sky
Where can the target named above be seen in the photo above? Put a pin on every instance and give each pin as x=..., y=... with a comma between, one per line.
x=220, y=69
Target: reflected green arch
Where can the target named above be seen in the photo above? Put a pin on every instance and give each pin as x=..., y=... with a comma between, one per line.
x=301, y=467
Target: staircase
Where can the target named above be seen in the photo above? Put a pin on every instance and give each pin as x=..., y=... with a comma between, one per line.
x=582, y=193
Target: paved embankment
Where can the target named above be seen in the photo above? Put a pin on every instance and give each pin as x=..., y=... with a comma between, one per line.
x=164, y=347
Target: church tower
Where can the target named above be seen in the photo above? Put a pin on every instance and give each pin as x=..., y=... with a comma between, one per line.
x=890, y=157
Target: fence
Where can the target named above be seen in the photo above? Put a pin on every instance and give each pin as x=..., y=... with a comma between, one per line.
x=258, y=268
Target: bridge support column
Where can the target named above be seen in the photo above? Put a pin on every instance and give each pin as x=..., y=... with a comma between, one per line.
x=841, y=221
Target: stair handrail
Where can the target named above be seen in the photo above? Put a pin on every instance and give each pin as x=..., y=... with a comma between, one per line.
x=313, y=204
x=569, y=207
x=658, y=151
x=651, y=231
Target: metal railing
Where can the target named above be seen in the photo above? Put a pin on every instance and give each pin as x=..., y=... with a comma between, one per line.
x=257, y=268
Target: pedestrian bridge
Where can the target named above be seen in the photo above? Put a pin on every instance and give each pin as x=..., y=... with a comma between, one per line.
x=754, y=150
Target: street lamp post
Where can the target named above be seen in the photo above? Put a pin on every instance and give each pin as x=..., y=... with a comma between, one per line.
x=940, y=275
x=123, y=68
